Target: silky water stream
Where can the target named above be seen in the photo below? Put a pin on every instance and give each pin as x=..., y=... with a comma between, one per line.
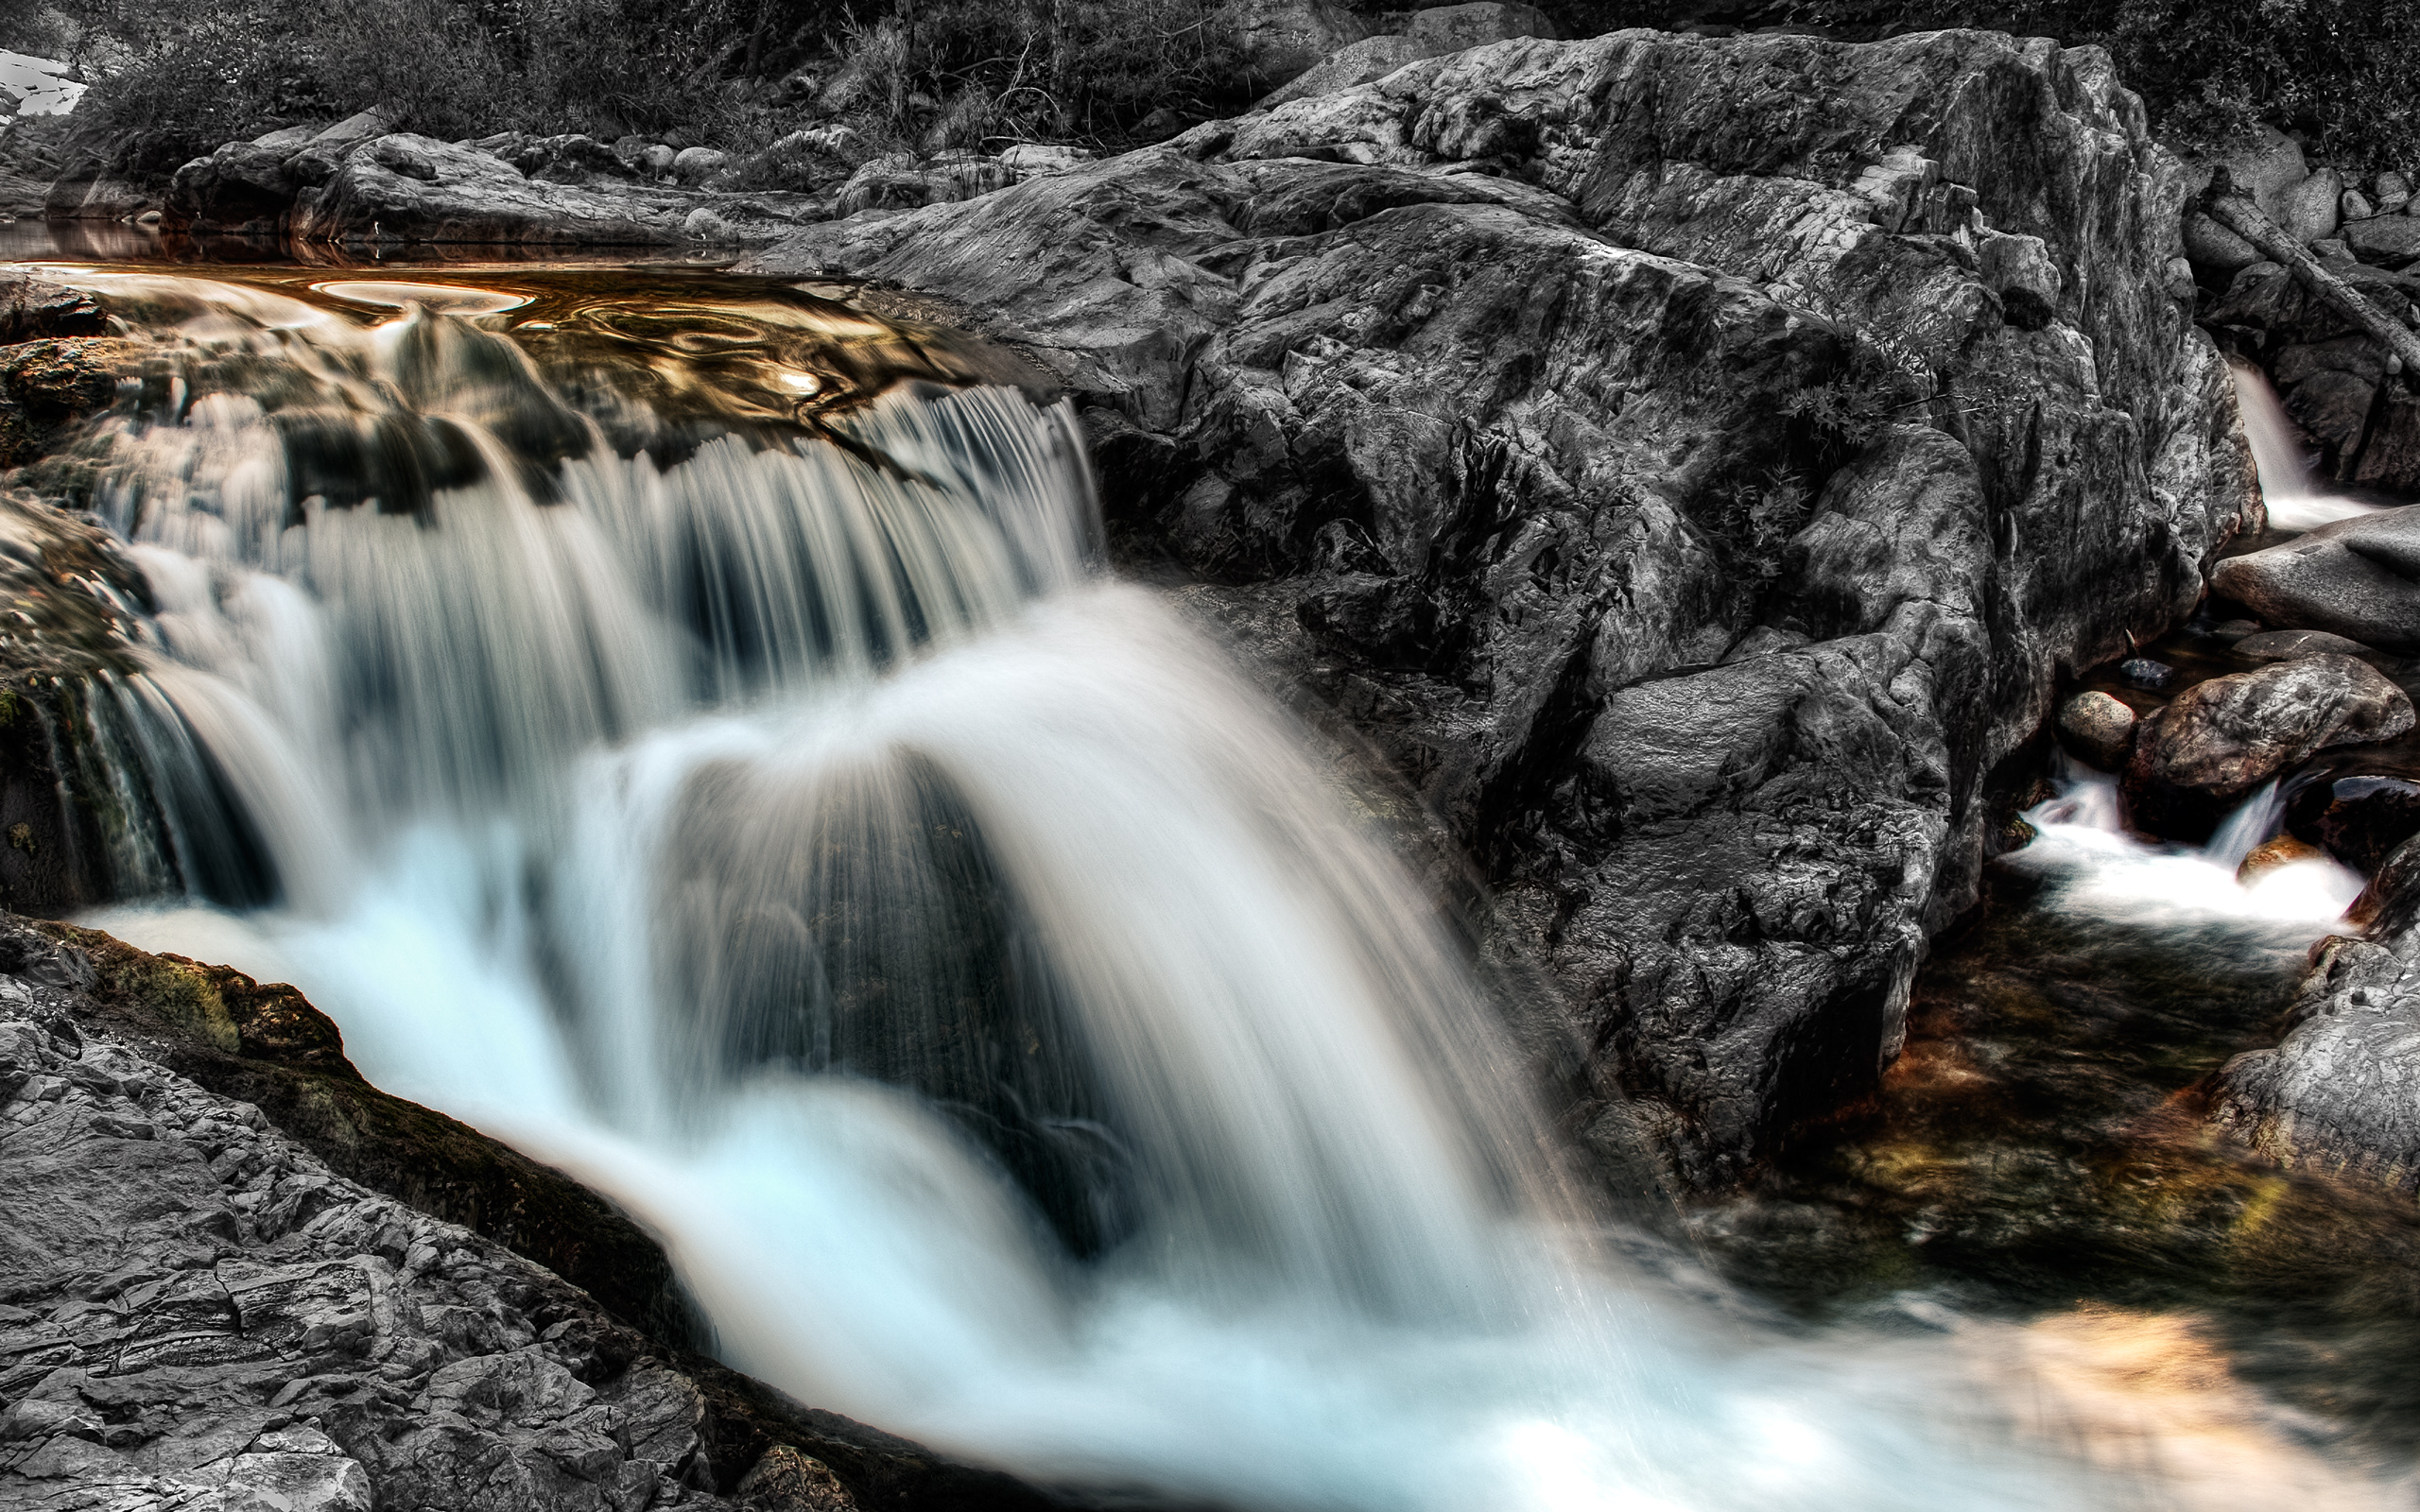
x=685, y=727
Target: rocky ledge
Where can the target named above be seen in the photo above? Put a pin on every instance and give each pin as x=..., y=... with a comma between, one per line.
x=1692, y=464
x=222, y=1287
x=2340, y=1093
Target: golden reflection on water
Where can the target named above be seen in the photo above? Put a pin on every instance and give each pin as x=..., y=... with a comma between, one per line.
x=692, y=346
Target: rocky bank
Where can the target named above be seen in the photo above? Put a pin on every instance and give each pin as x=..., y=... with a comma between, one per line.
x=1692, y=463
x=225, y=1285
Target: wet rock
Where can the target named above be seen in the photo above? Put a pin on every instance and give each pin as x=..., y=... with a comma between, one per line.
x=2268, y=856
x=2286, y=645
x=2144, y=673
x=2217, y=740
x=31, y=309
x=199, y=1313
x=2098, y=727
x=787, y=1481
x=2359, y=579
x=2340, y=1094
x=2360, y=821
x=2234, y=633
x=1541, y=323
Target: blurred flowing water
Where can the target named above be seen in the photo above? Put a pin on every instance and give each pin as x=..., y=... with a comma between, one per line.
x=685, y=727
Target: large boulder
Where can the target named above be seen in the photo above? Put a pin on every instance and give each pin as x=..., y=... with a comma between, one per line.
x=416, y=189
x=1662, y=375
x=2217, y=740
x=242, y=188
x=2359, y=579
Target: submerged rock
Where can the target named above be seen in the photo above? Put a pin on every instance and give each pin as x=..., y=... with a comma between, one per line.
x=2359, y=579
x=1664, y=369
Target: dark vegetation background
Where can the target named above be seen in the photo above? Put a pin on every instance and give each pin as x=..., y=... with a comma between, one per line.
x=175, y=78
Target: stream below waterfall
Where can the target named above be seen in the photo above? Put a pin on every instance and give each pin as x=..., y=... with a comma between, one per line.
x=687, y=727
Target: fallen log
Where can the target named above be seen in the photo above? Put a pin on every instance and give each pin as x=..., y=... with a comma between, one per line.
x=2280, y=245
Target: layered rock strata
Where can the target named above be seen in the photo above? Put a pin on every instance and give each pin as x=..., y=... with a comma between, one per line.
x=1693, y=463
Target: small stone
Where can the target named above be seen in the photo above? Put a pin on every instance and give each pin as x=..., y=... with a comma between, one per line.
x=697, y=164
x=2098, y=727
x=2282, y=852
x=2142, y=672
x=2393, y=192
x=2355, y=206
x=785, y=1480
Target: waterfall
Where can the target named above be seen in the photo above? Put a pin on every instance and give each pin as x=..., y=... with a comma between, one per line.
x=1015, y=1039
x=2290, y=484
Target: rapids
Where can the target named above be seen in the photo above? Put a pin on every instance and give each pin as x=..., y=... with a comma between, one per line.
x=690, y=731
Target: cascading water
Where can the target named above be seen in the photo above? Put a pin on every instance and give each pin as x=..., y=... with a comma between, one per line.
x=2290, y=484
x=973, y=980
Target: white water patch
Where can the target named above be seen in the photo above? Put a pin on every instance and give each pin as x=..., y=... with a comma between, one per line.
x=2290, y=484
x=2096, y=867
x=40, y=84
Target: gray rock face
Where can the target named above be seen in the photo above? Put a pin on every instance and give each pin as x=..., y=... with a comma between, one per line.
x=2224, y=737
x=1664, y=377
x=2359, y=579
x=195, y=1312
x=2340, y=1093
